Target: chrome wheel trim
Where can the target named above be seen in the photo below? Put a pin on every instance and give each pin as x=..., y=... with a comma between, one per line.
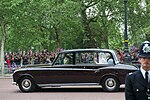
x=110, y=83
x=26, y=84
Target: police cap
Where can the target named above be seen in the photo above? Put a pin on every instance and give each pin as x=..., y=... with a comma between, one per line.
x=145, y=49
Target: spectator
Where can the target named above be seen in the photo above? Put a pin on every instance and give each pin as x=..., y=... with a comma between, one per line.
x=8, y=64
x=120, y=53
x=36, y=60
x=25, y=60
x=17, y=60
x=134, y=56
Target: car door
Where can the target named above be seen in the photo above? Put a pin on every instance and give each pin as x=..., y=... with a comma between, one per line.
x=67, y=70
x=88, y=63
x=83, y=69
x=61, y=70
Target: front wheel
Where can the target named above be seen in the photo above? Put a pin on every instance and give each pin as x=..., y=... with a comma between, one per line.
x=110, y=84
x=26, y=84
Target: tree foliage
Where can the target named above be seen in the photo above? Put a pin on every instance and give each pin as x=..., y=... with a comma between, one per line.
x=68, y=24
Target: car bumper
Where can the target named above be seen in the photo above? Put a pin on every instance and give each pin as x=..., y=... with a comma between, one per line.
x=14, y=83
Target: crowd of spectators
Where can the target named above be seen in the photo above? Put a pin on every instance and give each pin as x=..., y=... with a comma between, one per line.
x=133, y=54
x=15, y=60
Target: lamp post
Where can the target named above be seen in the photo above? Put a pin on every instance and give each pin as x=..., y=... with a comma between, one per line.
x=126, y=51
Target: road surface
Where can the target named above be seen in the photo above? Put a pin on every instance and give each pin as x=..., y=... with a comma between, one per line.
x=12, y=92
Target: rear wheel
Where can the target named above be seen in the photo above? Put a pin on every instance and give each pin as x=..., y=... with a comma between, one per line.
x=26, y=84
x=110, y=84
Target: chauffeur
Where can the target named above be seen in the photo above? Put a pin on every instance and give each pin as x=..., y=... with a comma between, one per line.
x=137, y=84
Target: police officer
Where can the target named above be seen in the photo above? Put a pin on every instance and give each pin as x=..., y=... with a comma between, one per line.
x=137, y=83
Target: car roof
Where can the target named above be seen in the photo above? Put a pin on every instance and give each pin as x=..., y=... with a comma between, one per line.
x=84, y=50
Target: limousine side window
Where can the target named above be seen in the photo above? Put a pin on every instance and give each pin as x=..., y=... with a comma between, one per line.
x=64, y=58
x=84, y=58
x=68, y=58
x=103, y=58
x=94, y=58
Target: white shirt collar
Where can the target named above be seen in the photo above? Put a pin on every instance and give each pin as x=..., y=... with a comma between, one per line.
x=143, y=72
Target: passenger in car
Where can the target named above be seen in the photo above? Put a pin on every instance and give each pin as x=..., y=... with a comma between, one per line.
x=101, y=59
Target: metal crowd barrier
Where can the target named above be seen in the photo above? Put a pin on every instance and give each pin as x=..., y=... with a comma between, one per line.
x=7, y=70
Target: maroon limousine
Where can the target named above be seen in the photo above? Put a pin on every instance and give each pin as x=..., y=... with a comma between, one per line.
x=77, y=67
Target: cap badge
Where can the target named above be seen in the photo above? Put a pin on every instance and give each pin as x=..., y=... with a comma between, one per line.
x=146, y=48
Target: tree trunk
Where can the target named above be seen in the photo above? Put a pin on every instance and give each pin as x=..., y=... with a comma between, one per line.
x=87, y=31
x=105, y=34
x=3, y=30
x=106, y=37
x=57, y=38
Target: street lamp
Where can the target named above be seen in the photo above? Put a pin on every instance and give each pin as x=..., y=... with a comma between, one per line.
x=126, y=51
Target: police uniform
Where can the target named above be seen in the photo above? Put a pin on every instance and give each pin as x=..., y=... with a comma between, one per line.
x=136, y=87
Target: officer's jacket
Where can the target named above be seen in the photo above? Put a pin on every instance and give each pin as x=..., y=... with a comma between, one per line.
x=135, y=87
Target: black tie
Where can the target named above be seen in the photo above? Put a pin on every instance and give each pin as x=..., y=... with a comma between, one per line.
x=146, y=76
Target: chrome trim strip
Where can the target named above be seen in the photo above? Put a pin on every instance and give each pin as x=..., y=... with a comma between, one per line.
x=14, y=83
x=72, y=69
x=76, y=69
x=67, y=84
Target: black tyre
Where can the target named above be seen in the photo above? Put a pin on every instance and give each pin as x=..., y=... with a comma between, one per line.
x=26, y=84
x=110, y=84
